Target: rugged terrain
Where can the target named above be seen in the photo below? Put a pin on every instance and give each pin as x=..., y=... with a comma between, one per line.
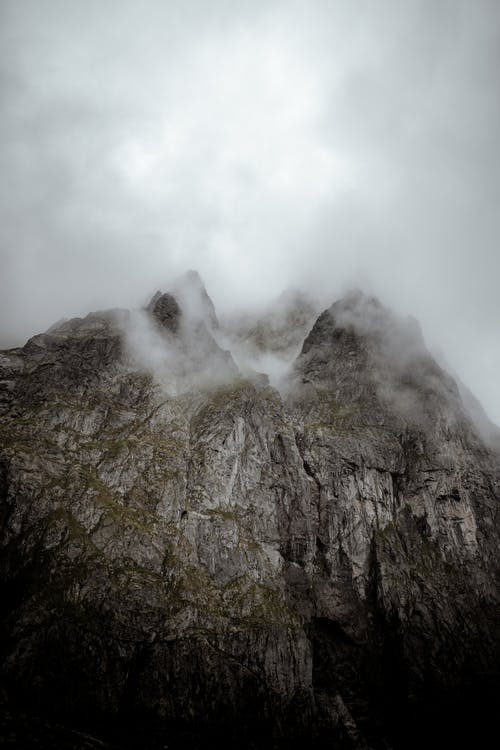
x=190, y=555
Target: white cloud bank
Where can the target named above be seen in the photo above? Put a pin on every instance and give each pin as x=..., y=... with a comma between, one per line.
x=267, y=144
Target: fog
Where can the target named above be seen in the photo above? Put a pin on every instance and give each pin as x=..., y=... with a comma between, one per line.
x=319, y=145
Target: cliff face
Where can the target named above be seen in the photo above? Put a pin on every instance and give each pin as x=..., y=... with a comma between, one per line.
x=191, y=552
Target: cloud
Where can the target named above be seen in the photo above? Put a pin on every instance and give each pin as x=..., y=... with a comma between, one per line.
x=266, y=144
x=174, y=342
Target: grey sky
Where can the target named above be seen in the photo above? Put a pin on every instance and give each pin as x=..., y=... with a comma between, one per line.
x=267, y=144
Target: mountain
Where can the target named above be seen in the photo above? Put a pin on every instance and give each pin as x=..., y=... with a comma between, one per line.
x=191, y=556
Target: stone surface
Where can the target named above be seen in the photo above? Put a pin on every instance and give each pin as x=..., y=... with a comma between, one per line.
x=165, y=311
x=231, y=561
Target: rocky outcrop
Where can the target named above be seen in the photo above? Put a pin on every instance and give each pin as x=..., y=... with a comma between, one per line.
x=225, y=561
x=165, y=311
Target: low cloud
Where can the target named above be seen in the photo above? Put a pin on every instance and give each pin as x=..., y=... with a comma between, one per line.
x=174, y=343
x=266, y=144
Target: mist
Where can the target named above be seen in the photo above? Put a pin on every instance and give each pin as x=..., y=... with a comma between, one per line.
x=318, y=145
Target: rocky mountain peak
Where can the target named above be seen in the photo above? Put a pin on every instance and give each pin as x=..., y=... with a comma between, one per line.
x=377, y=345
x=364, y=316
x=194, y=300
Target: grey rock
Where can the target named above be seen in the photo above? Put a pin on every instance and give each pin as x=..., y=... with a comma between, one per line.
x=319, y=563
x=165, y=310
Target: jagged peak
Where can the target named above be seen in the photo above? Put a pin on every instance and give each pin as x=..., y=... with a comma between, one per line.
x=194, y=299
x=362, y=312
x=187, y=298
x=363, y=316
x=359, y=346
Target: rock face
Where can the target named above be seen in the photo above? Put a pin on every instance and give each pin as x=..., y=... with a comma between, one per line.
x=231, y=562
x=165, y=311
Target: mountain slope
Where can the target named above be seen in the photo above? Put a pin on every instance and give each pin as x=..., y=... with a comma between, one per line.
x=190, y=551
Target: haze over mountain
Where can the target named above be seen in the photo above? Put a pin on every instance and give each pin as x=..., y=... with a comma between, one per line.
x=276, y=144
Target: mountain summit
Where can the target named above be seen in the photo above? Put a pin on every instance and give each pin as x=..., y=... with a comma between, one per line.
x=191, y=556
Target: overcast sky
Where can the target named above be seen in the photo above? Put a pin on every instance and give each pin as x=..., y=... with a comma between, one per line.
x=266, y=144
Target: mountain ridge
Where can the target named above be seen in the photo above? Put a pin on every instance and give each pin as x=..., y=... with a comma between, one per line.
x=187, y=548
